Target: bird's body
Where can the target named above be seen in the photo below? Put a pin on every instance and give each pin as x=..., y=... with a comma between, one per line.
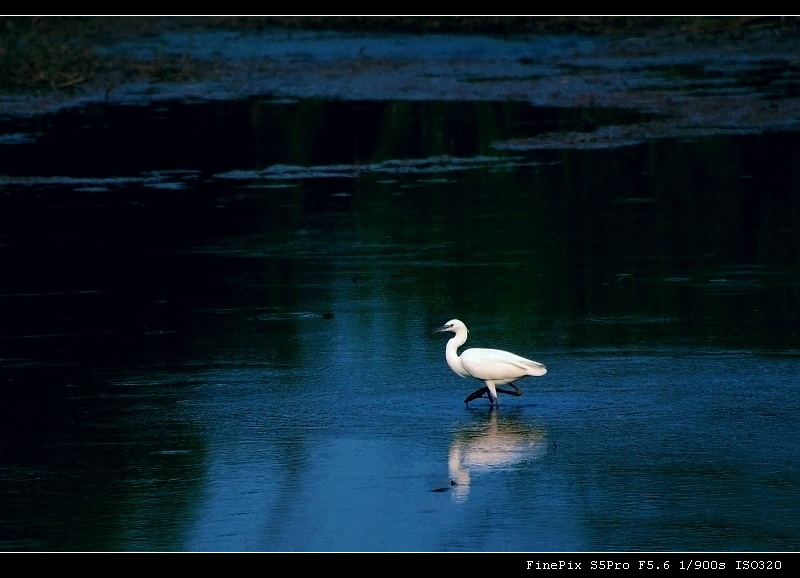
x=492, y=366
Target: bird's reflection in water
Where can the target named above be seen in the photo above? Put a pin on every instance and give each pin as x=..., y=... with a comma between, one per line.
x=499, y=442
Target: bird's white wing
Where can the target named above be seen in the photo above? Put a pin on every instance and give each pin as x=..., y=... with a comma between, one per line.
x=498, y=365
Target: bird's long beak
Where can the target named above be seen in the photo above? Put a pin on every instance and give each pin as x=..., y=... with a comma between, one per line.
x=436, y=330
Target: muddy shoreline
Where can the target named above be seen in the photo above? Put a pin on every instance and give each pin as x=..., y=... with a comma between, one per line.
x=688, y=77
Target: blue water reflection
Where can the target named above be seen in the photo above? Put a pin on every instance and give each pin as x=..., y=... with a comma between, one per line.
x=496, y=445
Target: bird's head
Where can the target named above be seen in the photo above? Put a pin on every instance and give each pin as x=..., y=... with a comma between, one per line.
x=453, y=325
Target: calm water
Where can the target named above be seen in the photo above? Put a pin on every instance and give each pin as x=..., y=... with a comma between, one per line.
x=214, y=323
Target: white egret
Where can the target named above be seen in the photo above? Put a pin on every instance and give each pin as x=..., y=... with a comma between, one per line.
x=493, y=366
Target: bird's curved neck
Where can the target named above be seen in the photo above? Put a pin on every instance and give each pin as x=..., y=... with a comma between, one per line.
x=451, y=353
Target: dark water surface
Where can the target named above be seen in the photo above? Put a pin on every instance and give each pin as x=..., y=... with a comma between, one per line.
x=213, y=316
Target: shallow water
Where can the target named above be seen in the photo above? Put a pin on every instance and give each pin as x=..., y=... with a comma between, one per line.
x=215, y=316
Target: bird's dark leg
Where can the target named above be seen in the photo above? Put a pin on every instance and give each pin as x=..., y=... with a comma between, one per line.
x=492, y=395
x=476, y=394
x=517, y=391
